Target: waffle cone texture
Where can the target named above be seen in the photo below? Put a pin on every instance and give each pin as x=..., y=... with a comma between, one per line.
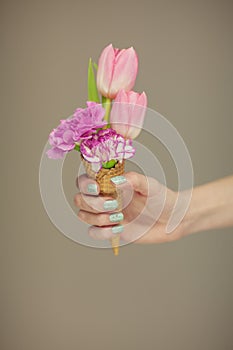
x=103, y=178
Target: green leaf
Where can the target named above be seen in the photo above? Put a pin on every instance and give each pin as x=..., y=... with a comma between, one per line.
x=104, y=100
x=92, y=88
x=95, y=65
x=77, y=147
x=110, y=164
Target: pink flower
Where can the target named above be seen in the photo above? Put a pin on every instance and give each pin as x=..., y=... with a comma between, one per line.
x=117, y=69
x=71, y=131
x=89, y=118
x=128, y=112
x=62, y=140
x=104, y=146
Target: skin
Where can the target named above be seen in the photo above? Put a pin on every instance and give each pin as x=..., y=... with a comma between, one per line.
x=211, y=207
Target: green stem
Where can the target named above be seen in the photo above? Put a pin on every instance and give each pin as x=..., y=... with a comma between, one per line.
x=107, y=105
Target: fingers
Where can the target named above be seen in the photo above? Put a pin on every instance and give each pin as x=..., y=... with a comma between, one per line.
x=96, y=210
x=95, y=204
x=132, y=181
x=128, y=232
x=89, y=200
x=87, y=185
x=102, y=233
x=102, y=219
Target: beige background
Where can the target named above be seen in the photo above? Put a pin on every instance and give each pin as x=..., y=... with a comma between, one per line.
x=56, y=294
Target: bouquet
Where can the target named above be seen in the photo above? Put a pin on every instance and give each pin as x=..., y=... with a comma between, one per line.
x=103, y=131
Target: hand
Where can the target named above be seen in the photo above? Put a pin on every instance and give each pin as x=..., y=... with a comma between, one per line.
x=147, y=207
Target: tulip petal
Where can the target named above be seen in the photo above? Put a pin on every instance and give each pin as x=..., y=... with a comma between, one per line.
x=105, y=69
x=136, y=121
x=125, y=71
x=142, y=100
x=128, y=113
x=119, y=113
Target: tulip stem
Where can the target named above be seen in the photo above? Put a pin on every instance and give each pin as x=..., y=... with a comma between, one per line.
x=107, y=106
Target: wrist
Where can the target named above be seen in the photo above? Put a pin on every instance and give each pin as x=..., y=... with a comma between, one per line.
x=211, y=207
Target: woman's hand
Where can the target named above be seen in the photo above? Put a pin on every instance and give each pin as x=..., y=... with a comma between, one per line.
x=147, y=207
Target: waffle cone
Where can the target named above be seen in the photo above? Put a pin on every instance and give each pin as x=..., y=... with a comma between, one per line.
x=115, y=244
x=103, y=178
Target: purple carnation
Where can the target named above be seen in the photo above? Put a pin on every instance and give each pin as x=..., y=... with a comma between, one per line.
x=71, y=131
x=90, y=118
x=104, y=146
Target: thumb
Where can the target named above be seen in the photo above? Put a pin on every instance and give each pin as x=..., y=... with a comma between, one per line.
x=87, y=185
x=146, y=186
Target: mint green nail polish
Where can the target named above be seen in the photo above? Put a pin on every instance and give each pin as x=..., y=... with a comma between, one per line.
x=118, y=180
x=117, y=229
x=110, y=204
x=116, y=217
x=92, y=189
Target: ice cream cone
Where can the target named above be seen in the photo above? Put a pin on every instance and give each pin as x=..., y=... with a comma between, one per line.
x=107, y=188
x=115, y=244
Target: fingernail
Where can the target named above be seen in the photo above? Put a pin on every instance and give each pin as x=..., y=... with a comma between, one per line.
x=110, y=204
x=92, y=189
x=118, y=180
x=117, y=229
x=116, y=217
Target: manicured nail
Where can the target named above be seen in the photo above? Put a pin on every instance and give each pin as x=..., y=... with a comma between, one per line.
x=110, y=204
x=92, y=189
x=117, y=229
x=116, y=217
x=118, y=180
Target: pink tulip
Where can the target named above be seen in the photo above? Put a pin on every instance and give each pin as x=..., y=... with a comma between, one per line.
x=117, y=69
x=128, y=112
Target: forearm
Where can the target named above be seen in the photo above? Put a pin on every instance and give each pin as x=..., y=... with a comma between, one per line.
x=211, y=207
